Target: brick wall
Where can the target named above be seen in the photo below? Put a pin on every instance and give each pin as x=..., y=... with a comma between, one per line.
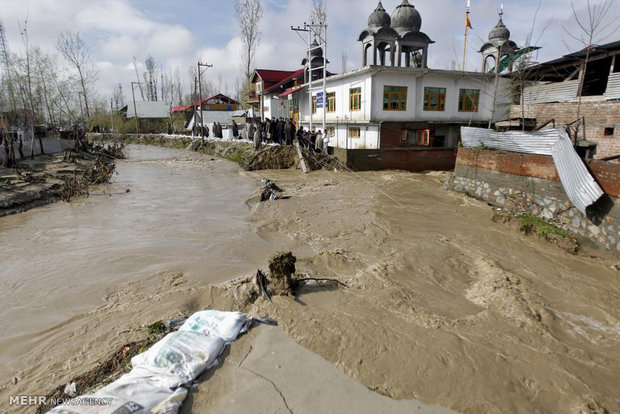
x=598, y=114
x=607, y=174
x=408, y=159
x=530, y=165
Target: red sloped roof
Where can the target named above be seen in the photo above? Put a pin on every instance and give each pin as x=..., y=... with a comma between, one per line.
x=289, y=78
x=289, y=91
x=273, y=75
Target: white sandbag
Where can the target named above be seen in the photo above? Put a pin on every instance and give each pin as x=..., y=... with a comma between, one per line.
x=100, y=404
x=152, y=392
x=182, y=355
x=160, y=394
x=227, y=325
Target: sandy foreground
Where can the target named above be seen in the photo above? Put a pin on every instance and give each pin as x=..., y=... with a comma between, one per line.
x=443, y=306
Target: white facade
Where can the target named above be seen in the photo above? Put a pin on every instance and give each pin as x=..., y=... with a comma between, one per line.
x=371, y=115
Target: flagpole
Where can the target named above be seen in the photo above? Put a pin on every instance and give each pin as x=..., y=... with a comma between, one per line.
x=465, y=39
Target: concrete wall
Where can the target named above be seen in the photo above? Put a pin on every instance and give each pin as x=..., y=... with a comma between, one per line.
x=598, y=112
x=530, y=183
x=409, y=159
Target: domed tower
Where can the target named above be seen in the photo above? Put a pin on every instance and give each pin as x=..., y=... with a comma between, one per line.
x=379, y=37
x=406, y=21
x=396, y=35
x=316, y=57
x=499, y=51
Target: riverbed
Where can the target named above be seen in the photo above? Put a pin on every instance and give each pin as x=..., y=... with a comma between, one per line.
x=442, y=304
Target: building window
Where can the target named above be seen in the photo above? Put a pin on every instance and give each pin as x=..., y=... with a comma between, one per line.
x=314, y=104
x=330, y=131
x=469, y=100
x=354, y=132
x=394, y=98
x=609, y=131
x=434, y=99
x=331, y=102
x=416, y=138
x=355, y=99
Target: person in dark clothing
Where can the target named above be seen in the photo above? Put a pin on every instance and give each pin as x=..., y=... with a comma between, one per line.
x=312, y=143
x=300, y=135
x=288, y=133
x=251, y=130
x=280, y=131
x=293, y=131
x=272, y=129
x=268, y=129
x=235, y=130
x=260, y=127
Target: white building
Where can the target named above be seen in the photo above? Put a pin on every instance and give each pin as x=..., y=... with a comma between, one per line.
x=396, y=101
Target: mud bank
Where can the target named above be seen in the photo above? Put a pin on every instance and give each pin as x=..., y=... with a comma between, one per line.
x=50, y=178
x=442, y=304
x=269, y=157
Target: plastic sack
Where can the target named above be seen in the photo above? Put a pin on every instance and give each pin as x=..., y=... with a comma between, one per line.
x=227, y=325
x=100, y=404
x=151, y=392
x=180, y=356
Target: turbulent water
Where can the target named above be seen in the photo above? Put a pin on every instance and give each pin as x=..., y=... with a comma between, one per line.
x=442, y=303
x=182, y=213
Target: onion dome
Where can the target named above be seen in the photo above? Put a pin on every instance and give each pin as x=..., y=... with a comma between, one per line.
x=500, y=32
x=379, y=18
x=406, y=18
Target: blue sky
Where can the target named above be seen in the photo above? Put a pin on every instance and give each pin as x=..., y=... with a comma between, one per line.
x=179, y=32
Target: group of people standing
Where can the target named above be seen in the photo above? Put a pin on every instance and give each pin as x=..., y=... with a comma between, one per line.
x=279, y=130
x=283, y=131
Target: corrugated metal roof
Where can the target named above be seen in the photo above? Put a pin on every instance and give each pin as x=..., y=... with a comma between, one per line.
x=551, y=92
x=149, y=109
x=579, y=185
x=613, y=86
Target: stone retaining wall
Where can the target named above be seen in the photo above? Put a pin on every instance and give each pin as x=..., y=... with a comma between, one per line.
x=529, y=183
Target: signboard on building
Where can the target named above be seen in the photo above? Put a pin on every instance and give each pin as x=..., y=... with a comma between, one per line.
x=319, y=100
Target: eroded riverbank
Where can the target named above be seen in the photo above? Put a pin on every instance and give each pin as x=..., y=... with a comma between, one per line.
x=443, y=304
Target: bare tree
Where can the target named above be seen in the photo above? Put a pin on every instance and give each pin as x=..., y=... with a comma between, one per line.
x=6, y=61
x=248, y=14
x=595, y=25
x=24, y=33
x=150, y=78
x=135, y=68
x=73, y=48
x=319, y=12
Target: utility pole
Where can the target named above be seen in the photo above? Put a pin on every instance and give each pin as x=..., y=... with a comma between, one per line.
x=202, y=122
x=316, y=33
x=112, y=114
x=135, y=112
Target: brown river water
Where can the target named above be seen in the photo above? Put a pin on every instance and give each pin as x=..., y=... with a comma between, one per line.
x=442, y=304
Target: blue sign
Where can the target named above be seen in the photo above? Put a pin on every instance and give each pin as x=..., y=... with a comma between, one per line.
x=319, y=100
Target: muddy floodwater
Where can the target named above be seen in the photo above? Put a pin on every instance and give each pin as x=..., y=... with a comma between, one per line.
x=182, y=213
x=442, y=304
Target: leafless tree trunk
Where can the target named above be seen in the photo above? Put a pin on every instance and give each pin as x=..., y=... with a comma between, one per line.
x=135, y=68
x=24, y=33
x=248, y=14
x=73, y=48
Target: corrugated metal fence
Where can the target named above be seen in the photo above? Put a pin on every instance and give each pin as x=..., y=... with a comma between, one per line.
x=580, y=186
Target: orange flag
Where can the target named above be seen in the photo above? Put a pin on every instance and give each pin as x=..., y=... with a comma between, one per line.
x=467, y=21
